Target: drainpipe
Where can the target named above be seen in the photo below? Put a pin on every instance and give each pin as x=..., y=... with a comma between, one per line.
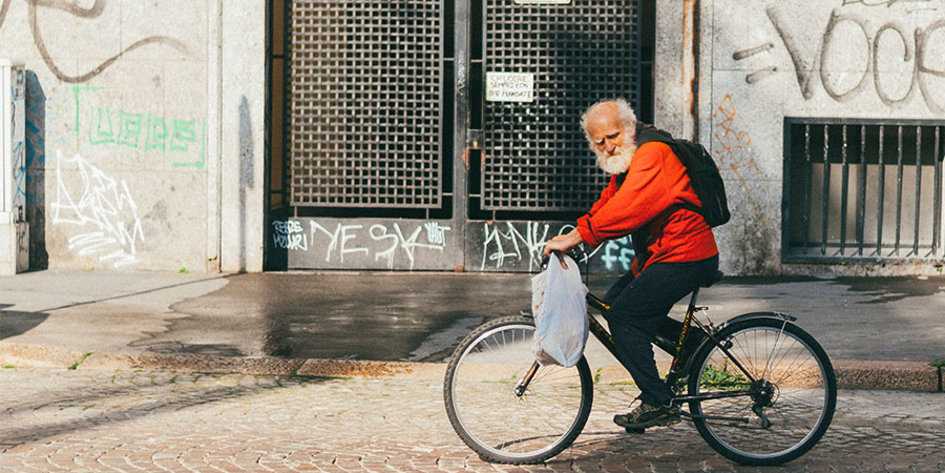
x=690, y=70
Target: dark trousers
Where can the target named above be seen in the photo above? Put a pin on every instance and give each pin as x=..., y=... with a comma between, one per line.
x=638, y=311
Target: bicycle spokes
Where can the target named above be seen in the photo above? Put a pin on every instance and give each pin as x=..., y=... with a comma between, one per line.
x=506, y=406
x=767, y=397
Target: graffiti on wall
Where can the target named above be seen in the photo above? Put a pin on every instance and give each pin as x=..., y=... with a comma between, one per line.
x=103, y=210
x=514, y=244
x=732, y=151
x=98, y=124
x=19, y=175
x=732, y=145
x=98, y=215
x=511, y=246
x=896, y=61
x=520, y=244
x=86, y=15
x=4, y=7
x=751, y=250
x=384, y=243
x=38, y=109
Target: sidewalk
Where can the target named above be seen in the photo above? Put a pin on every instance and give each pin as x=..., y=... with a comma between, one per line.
x=881, y=333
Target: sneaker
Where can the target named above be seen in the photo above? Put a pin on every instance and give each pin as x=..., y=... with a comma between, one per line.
x=646, y=415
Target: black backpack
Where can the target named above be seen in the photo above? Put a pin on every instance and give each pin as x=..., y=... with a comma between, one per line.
x=702, y=170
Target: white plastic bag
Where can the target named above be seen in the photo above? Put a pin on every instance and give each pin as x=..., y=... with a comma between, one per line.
x=559, y=305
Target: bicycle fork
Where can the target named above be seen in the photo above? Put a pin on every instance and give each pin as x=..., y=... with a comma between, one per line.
x=522, y=384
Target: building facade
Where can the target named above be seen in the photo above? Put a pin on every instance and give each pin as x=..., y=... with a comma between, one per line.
x=443, y=134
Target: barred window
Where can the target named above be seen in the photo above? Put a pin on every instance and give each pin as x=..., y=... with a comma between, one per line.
x=863, y=190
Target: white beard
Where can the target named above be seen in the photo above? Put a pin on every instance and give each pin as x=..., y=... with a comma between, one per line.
x=617, y=163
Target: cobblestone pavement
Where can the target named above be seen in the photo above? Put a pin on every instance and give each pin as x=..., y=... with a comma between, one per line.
x=126, y=421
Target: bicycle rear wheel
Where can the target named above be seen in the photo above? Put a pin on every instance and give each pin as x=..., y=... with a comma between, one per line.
x=789, y=405
x=486, y=412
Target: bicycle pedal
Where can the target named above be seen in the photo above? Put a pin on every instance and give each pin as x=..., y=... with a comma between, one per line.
x=635, y=430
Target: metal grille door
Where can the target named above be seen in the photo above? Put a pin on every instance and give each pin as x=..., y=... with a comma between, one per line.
x=365, y=104
x=535, y=157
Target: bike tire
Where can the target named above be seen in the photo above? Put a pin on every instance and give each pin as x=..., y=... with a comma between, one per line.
x=490, y=418
x=799, y=399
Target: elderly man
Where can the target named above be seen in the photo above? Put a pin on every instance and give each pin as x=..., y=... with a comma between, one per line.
x=675, y=247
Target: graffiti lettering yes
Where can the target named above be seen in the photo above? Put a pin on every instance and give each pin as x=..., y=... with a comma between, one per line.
x=385, y=242
x=408, y=245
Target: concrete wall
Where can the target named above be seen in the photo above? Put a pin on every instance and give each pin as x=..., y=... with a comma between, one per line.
x=762, y=61
x=146, y=125
x=144, y=131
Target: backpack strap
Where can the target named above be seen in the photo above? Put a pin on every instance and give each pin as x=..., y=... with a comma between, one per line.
x=646, y=133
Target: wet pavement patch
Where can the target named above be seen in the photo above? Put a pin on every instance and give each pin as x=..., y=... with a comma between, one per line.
x=366, y=316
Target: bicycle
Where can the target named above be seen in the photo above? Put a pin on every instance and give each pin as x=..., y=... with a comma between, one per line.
x=760, y=390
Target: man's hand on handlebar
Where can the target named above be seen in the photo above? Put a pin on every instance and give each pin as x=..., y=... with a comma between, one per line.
x=563, y=243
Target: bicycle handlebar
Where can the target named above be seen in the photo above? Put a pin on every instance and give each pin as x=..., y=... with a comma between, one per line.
x=577, y=253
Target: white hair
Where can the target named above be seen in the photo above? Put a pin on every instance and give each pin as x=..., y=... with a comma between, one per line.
x=624, y=111
x=620, y=161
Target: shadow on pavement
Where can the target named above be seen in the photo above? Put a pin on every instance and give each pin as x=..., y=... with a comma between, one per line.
x=149, y=394
x=14, y=323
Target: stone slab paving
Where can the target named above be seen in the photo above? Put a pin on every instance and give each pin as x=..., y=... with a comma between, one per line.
x=142, y=421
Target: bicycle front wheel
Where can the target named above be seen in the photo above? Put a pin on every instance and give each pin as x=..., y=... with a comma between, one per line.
x=783, y=412
x=494, y=420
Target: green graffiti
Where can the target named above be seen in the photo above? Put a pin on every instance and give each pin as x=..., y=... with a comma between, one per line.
x=203, y=151
x=157, y=133
x=134, y=129
x=183, y=135
x=129, y=128
x=75, y=93
x=102, y=132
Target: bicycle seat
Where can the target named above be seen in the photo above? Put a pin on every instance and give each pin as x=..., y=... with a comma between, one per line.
x=712, y=279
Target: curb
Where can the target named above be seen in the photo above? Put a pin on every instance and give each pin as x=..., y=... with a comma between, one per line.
x=37, y=356
x=851, y=374
x=889, y=375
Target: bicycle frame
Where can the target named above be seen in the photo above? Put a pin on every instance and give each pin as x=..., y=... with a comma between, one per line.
x=607, y=340
x=675, y=369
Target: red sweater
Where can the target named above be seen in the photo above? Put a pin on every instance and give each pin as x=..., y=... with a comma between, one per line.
x=656, y=183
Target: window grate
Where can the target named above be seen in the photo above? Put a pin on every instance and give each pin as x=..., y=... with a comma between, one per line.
x=535, y=157
x=364, y=92
x=864, y=190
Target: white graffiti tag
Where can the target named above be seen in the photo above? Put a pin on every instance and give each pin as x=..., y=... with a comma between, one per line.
x=509, y=248
x=617, y=251
x=339, y=239
x=104, y=207
x=408, y=245
x=288, y=235
x=343, y=240
x=436, y=233
x=532, y=242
